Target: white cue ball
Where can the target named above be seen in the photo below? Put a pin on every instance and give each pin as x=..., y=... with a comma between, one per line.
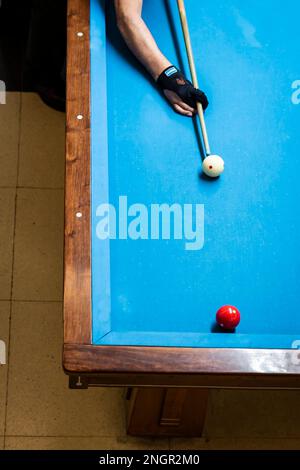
x=213, y=166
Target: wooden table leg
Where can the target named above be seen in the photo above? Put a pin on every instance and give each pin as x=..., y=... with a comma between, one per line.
x=166, y=411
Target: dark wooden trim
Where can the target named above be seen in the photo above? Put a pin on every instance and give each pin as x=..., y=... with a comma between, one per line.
x=207, y=367
x=77, y=267
x=224, y=381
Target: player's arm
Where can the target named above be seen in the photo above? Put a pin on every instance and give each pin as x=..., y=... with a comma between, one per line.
x=179, y=91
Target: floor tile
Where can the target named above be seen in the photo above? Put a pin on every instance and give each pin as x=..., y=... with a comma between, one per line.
x=84, y=443
x=254, y=413
x=4, y=331
x=235, y=444
x=7, y=213
x=39, y=401
x=38, y=259
x=42, y=144
x=9, y=138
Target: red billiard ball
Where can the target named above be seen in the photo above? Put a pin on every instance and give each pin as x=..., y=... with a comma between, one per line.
x=228, y=317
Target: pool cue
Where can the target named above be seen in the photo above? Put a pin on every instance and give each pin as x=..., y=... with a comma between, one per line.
x=188, y=45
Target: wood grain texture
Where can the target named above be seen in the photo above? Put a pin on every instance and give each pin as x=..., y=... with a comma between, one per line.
x=247, y=368
x=173, y=407
x=167, y=412
x=77, y=263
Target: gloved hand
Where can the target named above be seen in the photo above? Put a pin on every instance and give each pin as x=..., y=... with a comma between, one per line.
x=172, y=79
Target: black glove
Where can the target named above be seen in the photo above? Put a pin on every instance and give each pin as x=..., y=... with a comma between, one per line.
x=172, y=79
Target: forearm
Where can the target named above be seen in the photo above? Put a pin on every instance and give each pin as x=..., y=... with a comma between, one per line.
x=138, y=37
x=178, y=90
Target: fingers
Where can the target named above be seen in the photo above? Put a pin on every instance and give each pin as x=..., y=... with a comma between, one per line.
x=186, y=106
x=179, y=105
x=181, y=110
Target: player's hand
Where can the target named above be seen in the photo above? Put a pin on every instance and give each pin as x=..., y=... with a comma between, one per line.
x=178, y=105
x=180, y=92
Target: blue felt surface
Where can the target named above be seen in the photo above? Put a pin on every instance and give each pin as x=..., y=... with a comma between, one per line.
x=154, y=292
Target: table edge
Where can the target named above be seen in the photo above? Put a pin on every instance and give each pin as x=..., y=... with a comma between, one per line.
x=206, y=365
x=137, y=364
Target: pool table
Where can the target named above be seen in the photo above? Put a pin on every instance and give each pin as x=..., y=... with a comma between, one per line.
x=153, y=247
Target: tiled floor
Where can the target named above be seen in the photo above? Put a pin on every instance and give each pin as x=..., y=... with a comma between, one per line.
x=37, y=410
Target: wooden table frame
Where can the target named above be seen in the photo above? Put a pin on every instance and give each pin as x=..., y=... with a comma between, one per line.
x=88, y=364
